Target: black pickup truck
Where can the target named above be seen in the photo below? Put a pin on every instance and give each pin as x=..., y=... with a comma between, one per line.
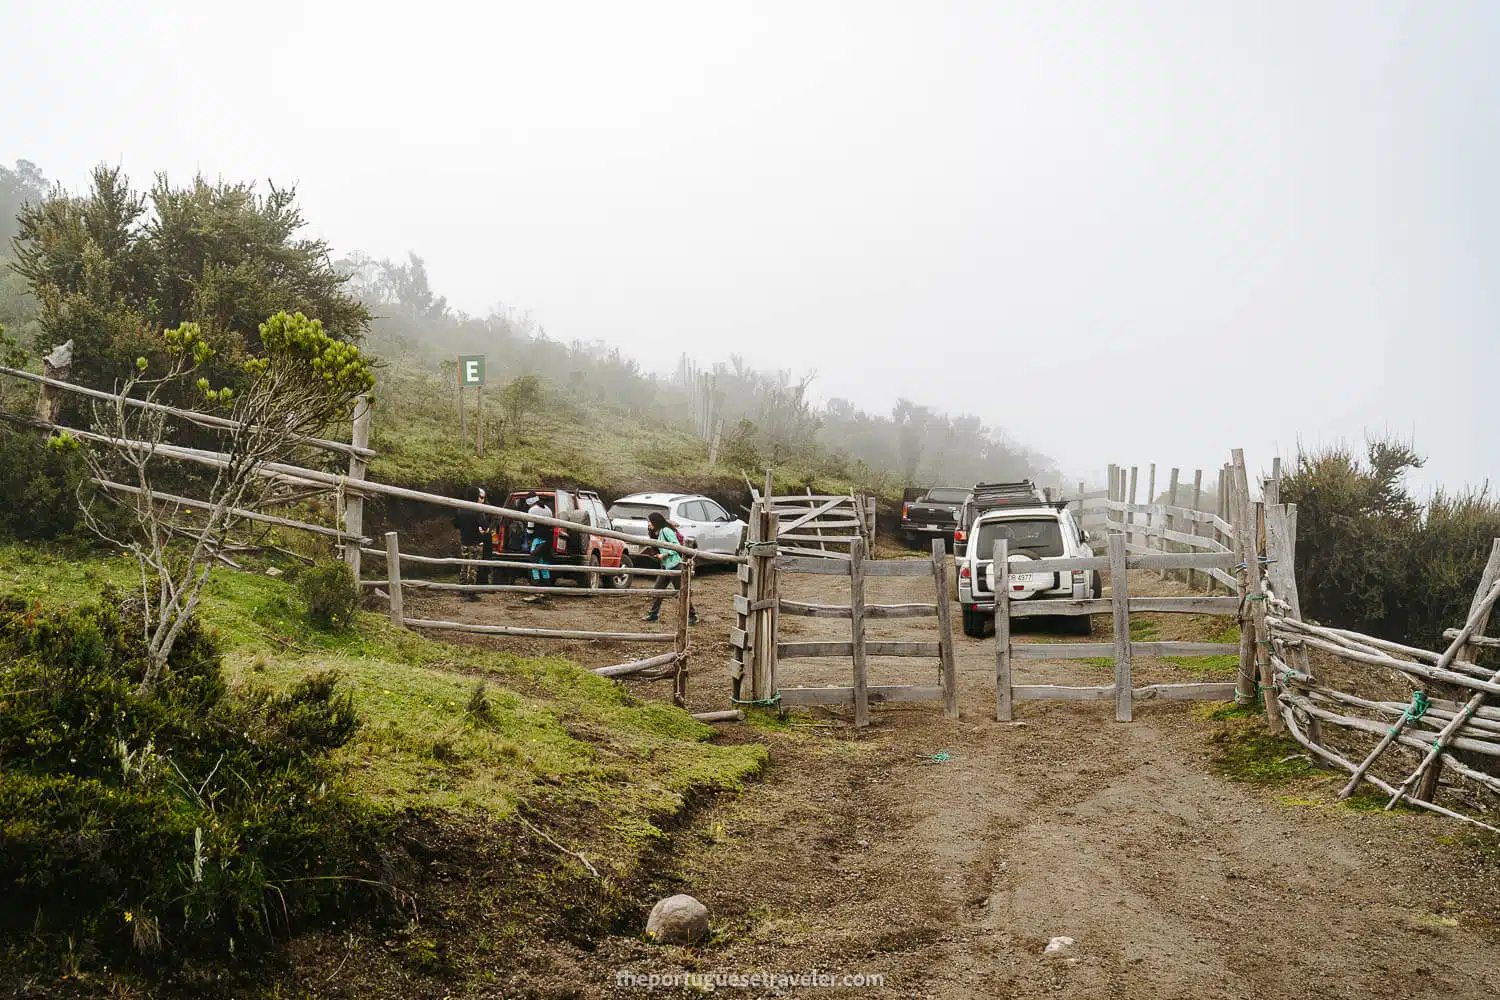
x=932, y=512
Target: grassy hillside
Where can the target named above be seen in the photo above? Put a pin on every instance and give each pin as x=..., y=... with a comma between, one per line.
x=488, y=767
x=570, y=437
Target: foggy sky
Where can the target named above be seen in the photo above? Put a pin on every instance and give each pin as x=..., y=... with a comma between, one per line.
x=1124, y=232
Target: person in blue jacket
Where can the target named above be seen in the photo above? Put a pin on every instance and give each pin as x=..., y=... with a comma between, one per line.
x=661, y=530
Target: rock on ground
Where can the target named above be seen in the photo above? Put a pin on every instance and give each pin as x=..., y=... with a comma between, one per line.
x=679, y=919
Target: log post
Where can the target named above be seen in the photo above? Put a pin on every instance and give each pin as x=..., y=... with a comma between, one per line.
x=742, y=664
x=1253, y=573
x=56, y=365
x=1193, y=527
x=1244, y=547
x=1170, y=521
x=1000, y=582
x=1130, y=501
x=393, y=579
x=1119, y=593
x=354, y=503
x=949, y=669
x=684, y=611
x=857, y=632
x=1150, y=512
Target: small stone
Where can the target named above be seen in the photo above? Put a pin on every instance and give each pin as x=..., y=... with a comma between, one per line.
x=864, y=843
x=272, y=571
x=679, y=919
x=1059, y=946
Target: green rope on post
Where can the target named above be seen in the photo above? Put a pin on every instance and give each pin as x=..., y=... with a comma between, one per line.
x=1418, y=708
x=770, y=702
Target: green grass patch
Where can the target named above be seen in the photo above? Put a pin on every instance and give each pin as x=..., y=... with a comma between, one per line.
x=1246, y=752
x=1143, y=630
x=1098, y=661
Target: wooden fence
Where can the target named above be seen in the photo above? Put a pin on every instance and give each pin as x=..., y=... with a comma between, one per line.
x=673, y=664
x=759, y=607
x=1120, y=604
x=1176, y=526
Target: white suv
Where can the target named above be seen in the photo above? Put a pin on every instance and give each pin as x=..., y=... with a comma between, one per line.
x=703, y=523
x=1033, y=531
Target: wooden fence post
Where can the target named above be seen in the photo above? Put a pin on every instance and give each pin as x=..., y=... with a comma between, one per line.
x=1281, y=547
x=1255, y=570
x=393, y=579
x=1000, y=582
x=857, y=632
x=1170, y=521
x=684, y=611
x=1150, y=512
x=1130, y=514
x=1193, y=527
x=354, y=503
x=1238, y=504
x=1119, y=592
x=948, y=668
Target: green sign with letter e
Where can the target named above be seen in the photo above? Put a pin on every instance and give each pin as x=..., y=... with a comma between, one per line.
x=470, y=370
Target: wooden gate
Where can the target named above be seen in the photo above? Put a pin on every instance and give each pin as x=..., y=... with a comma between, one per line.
x=759, y=651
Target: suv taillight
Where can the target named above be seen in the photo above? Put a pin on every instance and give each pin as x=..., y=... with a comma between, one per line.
x=964, y=574
x=960, y=535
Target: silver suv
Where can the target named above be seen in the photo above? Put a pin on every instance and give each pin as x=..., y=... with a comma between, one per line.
x=1032, y=531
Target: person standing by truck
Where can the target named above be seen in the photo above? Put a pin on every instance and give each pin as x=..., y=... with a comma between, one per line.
x=473, y=534
x=662, y=530
x=539, y=544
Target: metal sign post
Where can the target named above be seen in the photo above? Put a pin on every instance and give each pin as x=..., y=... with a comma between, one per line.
x=471, y=375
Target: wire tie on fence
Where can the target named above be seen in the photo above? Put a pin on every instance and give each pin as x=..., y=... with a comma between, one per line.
x=770, y=702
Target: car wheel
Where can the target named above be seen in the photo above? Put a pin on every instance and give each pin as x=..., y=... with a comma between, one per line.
x=1098, y=585
x=1081, y=625
x=974, y=623
x=591, y=580
x=621, y=581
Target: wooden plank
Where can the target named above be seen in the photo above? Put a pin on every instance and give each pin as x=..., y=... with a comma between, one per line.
x=684, y=650
x=810, y=515
x=354, y=502
x=1119, y=587
x=539, y=633
x=514, y=564
x=739, y=638
x=1065, y=564
x=1057, y=692
x=742, y=573
x=806, y=610
x=517, y=588
x=1170, y=648
x=830, y=555
x=1061, y=650
x=1226, y=579
x=947, y=667
x=1185, y=560
x=1044, y=608
x=857, y=634
x=839, y=539
x=1004, y=685
x=1187, y=605
x=873, y=647
x=813, y=565
x=878, y=694
x=1198, y=542
x=898, y=567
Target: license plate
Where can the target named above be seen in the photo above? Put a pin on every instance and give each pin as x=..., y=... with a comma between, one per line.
x=1031, y=581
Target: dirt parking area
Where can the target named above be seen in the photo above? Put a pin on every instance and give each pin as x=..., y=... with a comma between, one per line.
x=943, y=855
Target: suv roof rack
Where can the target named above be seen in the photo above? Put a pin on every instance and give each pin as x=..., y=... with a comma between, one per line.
x=988, y=495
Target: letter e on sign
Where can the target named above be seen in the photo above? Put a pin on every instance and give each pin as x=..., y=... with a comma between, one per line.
x=470, y=370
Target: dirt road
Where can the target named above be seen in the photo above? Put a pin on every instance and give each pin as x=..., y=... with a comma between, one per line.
x=860, y=854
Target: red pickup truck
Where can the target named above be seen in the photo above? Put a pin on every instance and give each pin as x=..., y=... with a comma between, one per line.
x=570, y=547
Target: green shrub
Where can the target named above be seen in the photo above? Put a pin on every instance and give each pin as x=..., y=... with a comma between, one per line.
x=195, y=822
x=332, y=594
x=1373, y=559
x=39, y=480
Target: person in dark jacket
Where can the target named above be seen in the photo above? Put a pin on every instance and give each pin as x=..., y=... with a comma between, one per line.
x=662, y=530
x=473, y=541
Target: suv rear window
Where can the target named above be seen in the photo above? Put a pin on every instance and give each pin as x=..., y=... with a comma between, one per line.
x=1040, y=536
x=636, y=511
x=947, y=495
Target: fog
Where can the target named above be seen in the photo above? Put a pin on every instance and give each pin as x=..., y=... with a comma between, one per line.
x=1120, y=232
